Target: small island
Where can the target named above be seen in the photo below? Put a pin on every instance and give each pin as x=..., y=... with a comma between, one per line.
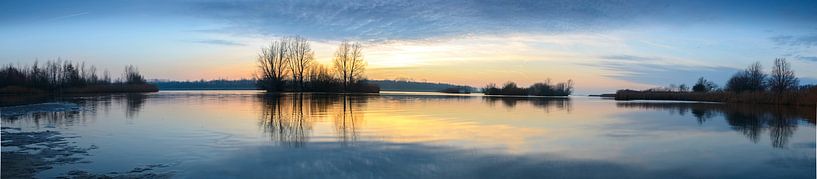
x=538, y=89
x=288, y=65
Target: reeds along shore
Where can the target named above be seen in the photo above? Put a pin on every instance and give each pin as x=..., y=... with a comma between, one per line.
x=805, y=97
x=58, y=76
x=751, y=86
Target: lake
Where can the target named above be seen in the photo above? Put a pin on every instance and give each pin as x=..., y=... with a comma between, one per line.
x=250, y=134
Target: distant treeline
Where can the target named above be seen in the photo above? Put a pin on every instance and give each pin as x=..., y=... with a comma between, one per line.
x=251, y=84
x=288, y=65
x=406, y=85
x=751, y=85
x=537, y=89
x=66, y=77
x=222, y=84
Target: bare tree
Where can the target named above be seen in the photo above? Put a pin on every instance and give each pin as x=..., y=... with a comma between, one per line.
x=683, y=88
x=756, y=77
x=704, y=85
x=751, y=79
x=273, y=63
x=782, y=77
x=131, y=75
x=348, y=62
x=300, y=56
x=106, y=76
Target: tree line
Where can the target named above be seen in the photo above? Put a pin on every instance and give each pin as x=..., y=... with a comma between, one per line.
x=752, y=79
x=57, y=75
x=538, y=89
x=220, y=84
x=751, y=85
x=288, y=64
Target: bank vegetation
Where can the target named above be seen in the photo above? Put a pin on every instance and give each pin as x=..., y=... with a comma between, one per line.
x=751, y=85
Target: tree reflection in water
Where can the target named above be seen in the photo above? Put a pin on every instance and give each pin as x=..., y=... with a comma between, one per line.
x=749, y=120
x=546, y=103
x=86, y=108
x=289, y=118
x=348, y=119
x=134, y=103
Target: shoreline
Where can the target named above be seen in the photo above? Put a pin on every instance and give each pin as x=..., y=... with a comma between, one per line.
x=111, y=88
x=800, y=98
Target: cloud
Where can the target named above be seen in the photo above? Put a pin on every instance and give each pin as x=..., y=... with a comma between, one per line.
x=389, y=20
x=629, y=58
x=70, y=15
x=807, y=58
x=381, y=20
x=656, y=71
x=789, y=40
x=218, y=42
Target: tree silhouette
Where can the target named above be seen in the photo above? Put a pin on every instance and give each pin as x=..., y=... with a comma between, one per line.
x=273, y=63
x=751, y=79
x=782, y=77
x=704, y=85
x=300, y=56
x=349, y=63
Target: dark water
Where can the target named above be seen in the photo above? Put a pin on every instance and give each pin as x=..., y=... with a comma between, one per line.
x=248, y=134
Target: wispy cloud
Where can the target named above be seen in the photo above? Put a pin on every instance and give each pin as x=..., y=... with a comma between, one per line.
x=629, y=58
x=388, y=20
x=218, y=42
x=421, y=19
x=656, y=71
x=807, y=58
x=790, y=40
x=69, y=16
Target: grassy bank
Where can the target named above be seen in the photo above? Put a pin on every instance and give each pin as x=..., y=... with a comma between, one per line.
x=798, y=98
x=104, y=88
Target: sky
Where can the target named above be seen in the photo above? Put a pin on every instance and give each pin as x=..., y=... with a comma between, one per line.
x=601, y=45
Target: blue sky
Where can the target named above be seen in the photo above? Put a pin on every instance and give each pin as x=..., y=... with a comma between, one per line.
x=602, y=45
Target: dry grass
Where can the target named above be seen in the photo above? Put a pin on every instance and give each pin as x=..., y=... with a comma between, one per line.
x=110, y=88
x=798, y=98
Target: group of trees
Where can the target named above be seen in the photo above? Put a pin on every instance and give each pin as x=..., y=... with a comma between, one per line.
x=288, y=64
x=670, y=88
x=537, y=89
x=704, y=85
x=752, y=79
x=58, y=74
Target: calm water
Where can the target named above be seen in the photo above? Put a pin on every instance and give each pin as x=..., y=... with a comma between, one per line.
x=218, y=134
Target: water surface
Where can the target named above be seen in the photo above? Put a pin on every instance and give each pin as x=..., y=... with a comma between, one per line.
x=250, y=134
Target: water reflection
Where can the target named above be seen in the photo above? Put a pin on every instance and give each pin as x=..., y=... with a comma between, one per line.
x=207, y=134
x=750, y=120
x=60, y=111
x=282, y=117
x=348, y=119
x=548, y=104
x=134, y=103
x=289, y=118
